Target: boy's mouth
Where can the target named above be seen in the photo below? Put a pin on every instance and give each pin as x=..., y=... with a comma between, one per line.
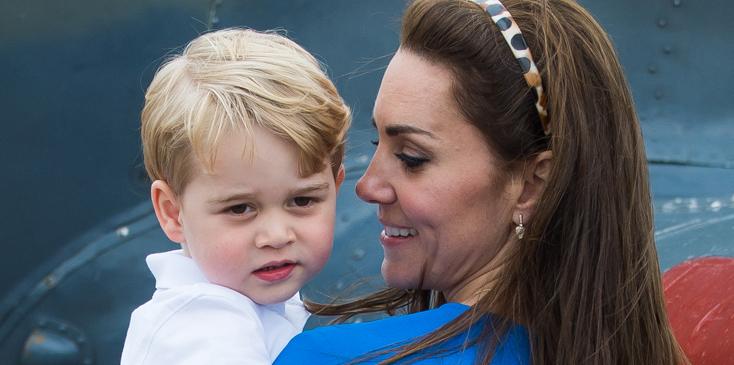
x=275, y=271
x=274, y=265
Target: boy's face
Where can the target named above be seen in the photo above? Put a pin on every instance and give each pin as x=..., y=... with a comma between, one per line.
x=254, y=225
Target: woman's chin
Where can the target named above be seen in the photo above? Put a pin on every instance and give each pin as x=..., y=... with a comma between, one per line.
x=400, y=276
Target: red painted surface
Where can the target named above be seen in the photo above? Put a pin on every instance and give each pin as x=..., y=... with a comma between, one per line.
x=699, y=295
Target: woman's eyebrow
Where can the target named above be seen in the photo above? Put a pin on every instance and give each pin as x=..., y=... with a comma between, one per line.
x=393, y=130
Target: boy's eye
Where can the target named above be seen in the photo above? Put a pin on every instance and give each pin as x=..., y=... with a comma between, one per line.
x=303, y=201
x=375, y=142
x=240, y=209
x=411, y=162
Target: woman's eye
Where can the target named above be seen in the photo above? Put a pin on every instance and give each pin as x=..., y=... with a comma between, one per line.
x=240, y=209
x=411, y=162
x=303, y=201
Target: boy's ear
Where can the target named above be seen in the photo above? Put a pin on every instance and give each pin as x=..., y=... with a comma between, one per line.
x=339, y=179
x=534, y=180
x=167, y=209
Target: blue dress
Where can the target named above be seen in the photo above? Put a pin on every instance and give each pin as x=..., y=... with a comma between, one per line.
x=340, y=344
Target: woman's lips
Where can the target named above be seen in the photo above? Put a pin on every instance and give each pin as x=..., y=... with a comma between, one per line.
x=395, y=240
x=399, y=231
x=275, y=271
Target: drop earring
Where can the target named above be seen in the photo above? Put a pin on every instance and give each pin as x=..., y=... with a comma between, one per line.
x=520, y=229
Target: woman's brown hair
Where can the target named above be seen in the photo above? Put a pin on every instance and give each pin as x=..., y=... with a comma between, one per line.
x=585, y=280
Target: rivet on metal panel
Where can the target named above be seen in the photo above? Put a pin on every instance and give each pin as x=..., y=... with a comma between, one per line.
x=676, y=3
x=668, y=49
x=716, y=205
x=668, y=207
x=358, y=254
x=345, y=217
x=662, y=22
x=50, y=281
x=658, y=94
x=652, y=69
x=123, y=232
x=213, y=19
x=87, y=361
x=693, y=205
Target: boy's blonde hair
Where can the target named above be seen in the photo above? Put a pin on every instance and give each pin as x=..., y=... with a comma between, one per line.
x=234, y=79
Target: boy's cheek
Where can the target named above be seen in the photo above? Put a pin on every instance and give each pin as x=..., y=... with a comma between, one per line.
x=321, y=240
x=223, y=269
x=324, y=252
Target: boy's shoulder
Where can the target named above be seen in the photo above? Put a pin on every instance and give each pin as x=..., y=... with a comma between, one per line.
x=199, y=297
x=191, y=319
x=193, y=306
x=182, y=290
x=180, y=320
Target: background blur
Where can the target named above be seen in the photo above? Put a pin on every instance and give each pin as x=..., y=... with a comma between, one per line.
x=75, y=224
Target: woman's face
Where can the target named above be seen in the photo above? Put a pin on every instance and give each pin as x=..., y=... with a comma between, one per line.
x=443, y=201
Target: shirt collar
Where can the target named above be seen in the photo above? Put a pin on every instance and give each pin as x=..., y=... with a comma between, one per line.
x=173, y=268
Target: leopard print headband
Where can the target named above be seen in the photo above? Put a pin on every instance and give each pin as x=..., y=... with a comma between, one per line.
x=511, y=31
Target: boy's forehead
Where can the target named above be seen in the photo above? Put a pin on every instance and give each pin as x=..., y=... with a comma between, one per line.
x=224, y=193
x=250, y=174
x=254, y=160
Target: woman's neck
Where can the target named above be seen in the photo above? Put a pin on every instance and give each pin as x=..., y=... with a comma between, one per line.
x=475, y=286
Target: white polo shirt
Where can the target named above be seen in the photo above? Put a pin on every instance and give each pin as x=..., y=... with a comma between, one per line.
x=190, y=321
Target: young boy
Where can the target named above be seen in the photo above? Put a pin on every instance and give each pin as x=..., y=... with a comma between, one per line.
x=243, y=137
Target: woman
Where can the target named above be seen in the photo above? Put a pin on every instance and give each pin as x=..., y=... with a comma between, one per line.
x=514, y=195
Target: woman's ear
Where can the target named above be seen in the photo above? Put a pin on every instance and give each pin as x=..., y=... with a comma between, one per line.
x=339, y=178
x=534, y=180
x=167, y=210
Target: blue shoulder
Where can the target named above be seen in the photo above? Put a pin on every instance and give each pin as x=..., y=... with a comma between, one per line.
x=338, y=344
x=515, y=348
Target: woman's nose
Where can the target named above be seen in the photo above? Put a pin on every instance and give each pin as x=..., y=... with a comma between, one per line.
x=373, y=187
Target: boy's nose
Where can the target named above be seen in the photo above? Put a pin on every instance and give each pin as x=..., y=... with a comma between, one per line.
x=274, y=233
